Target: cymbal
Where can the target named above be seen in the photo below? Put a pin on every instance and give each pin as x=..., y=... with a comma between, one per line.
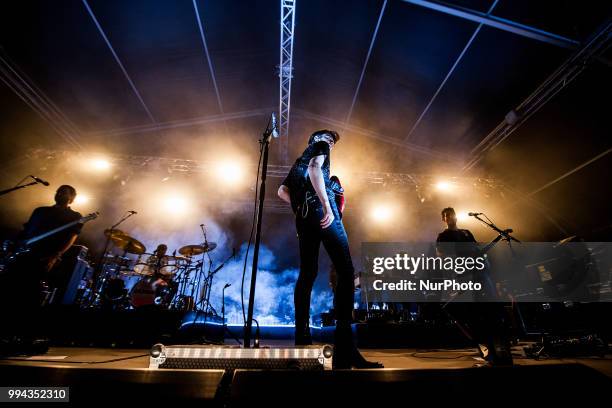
x=112, y=233
x=193, y=250
x=123, y=240
x=129, y=245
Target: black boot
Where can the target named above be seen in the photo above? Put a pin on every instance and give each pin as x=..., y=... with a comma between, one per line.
x=358, y=361
x=343, y=344
x=346, y=355
x=350, y=357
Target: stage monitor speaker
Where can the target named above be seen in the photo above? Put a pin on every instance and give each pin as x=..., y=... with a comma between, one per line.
x=308, y=358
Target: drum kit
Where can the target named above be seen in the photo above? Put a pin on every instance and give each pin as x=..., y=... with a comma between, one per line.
x=128, y=277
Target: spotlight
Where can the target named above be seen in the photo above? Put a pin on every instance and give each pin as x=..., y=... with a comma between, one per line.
x=175, y=205
x=444, y=186
x=382, y=213
x=81, y=199
x=462, y=216
x=99, y=164
x=230, y=171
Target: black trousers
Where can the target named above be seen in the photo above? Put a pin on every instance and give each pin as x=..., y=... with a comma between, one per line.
x=20, y=297
x=335, y=242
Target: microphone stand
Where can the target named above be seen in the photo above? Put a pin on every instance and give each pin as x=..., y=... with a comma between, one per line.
x=223, y=303
x=503, y=234
x=498, y=314
x=265, y=145
x=202, y=291
x=225, y=328
x=9, y=190
x=100, y=264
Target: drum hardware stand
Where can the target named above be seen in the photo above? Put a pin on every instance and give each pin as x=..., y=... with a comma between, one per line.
x=204, y=292
x=208, y=308
x=264, y=142
x=101, y=261
x=195, y=293
x=208, y=286
x=185, y=282
x=205, y=295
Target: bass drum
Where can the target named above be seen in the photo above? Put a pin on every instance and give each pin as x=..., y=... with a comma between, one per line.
x=149, y=291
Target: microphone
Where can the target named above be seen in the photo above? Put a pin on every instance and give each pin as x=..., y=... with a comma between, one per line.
x=472, y=214
x=274, y=126
x=39, y=180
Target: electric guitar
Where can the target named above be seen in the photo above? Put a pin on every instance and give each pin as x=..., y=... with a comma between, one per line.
x=26, y=245
x=336, y=186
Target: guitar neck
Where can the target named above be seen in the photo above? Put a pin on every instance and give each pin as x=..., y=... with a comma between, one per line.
x=490, y=245
x=49, y=233
x=59, y=229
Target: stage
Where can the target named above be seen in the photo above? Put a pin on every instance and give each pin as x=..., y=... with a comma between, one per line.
x=96, y=374
x=189, y=189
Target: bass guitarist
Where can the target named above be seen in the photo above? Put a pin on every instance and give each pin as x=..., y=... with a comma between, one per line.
x=20, y=285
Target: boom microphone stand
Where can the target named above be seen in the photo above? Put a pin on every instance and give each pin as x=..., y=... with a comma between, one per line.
x=498, y=342
x=503, y=234
x=20, y=186
x=102, y=261
x=9, y=190
x=271, y=131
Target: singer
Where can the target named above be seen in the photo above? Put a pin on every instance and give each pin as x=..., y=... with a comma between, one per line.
x=484, y=320
x=452, y=233
x=307, y=188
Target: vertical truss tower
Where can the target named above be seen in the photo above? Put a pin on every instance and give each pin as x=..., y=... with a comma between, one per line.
x=285, y=74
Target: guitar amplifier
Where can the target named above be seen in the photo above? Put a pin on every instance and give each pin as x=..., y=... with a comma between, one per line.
x=70, y=274
x=310, y=358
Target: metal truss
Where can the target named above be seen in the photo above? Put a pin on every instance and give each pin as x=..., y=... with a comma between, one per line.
x=557, y=81
x=420, y=186
x=497, y=22
x=285, y=73
x=186, y=167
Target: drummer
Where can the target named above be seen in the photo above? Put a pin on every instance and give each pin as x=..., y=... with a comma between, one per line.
x=157, y=262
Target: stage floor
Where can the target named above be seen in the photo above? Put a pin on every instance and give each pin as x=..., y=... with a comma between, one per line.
x=391, y=358
x=445, y=376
